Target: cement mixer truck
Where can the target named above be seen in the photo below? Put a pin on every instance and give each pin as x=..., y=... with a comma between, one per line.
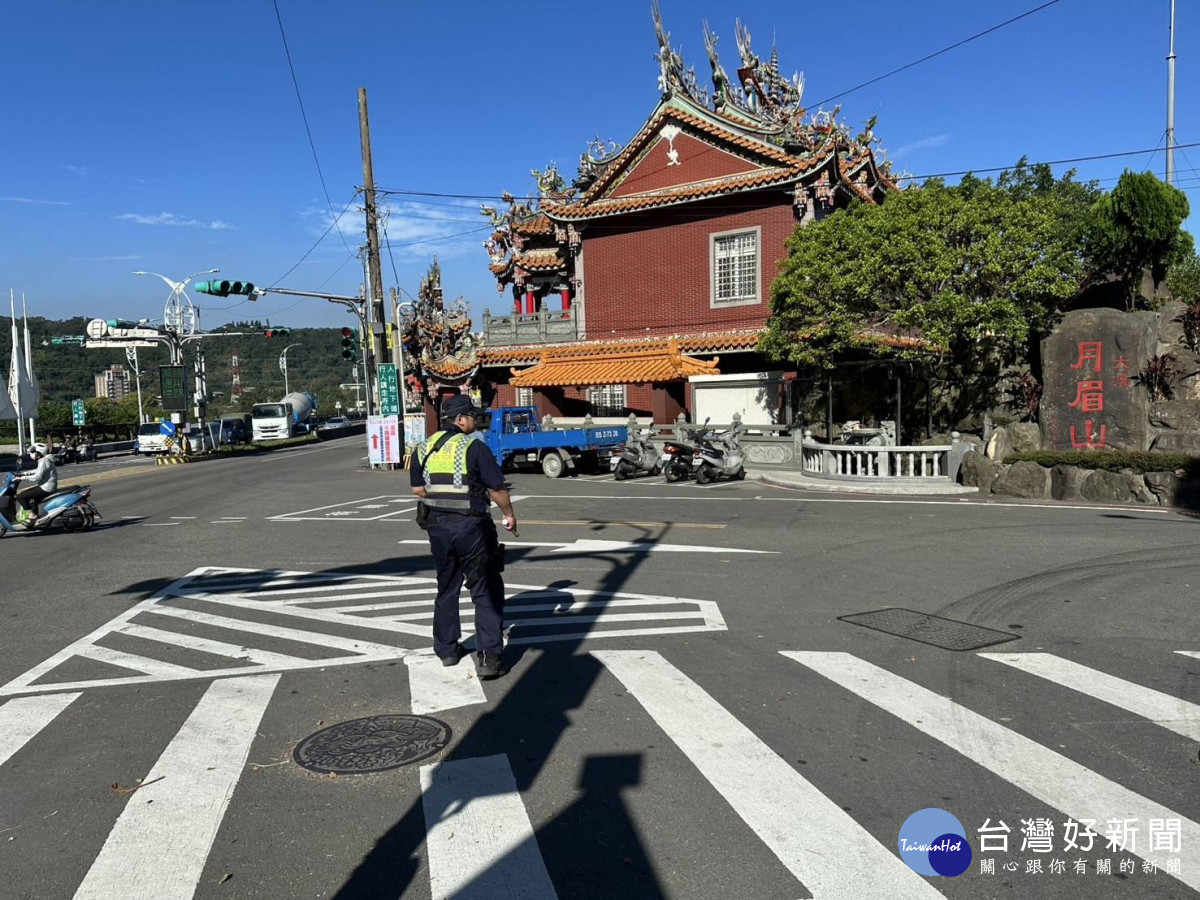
x=285, y=419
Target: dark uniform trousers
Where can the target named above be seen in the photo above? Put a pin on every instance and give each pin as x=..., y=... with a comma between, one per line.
x=456, y=539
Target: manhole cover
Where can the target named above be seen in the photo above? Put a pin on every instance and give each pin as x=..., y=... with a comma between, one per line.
x=936, y=631
x=372, y=744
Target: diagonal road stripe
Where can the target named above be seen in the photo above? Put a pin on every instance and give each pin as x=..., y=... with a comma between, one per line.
x=791, y=816
x=1051, y=777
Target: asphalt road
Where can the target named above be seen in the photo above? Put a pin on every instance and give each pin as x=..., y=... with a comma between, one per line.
x=686, y=714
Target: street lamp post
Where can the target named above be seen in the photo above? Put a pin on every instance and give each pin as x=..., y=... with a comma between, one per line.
x=179, y=315
x=284, y=368
x=131, y=355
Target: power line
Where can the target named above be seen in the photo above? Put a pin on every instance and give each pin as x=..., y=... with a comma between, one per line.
x=304, y=116
x=333, y=223
x=1056, y=162
x=954, y=46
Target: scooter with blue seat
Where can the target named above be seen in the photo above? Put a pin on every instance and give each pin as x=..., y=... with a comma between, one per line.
x=70, y=508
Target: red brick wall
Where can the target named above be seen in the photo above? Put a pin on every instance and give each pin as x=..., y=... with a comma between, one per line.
x=698, y=161
x=506, y=395
x=650, y=274
x=639, y=399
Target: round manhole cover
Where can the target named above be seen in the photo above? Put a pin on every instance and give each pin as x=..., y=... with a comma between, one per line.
x=372, y=744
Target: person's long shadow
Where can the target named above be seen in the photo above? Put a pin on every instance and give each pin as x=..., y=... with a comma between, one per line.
x=591, y=848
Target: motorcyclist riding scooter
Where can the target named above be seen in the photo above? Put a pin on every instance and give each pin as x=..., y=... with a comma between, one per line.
x=43, y=479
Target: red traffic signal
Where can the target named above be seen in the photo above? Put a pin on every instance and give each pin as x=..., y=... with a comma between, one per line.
x=347, y=332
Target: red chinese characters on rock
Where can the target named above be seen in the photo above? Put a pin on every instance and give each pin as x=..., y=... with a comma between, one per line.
x=1122, y=370
x=1093, y=439
x=1089, y=396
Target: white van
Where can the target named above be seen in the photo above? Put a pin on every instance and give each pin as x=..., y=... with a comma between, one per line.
x=150, y=439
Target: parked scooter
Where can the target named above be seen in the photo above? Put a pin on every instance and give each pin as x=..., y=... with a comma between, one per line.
x=720, y=456
x=677, y=460
x=640, y=458
x=72, y=508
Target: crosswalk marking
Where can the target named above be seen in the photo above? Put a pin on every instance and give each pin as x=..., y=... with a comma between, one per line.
x=207, y=645
x=1051, y=777
x=480, y=843
x=22, y=718
x=434, y=687
x=348, y=645
x=791, y=816
x=219, y=597
x=158, y=847
x=1162, y=709
x=144, y=664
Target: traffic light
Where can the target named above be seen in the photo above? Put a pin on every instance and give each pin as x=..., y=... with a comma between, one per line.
x=348, y=349
x=277, y=332
x=225, y=288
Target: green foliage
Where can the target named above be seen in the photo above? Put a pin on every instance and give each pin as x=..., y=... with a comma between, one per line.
x=1139, y=461
x=981, y=268
x=1183, y=280
x=1137, y=227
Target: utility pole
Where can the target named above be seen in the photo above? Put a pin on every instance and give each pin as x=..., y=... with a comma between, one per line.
x=1171, y=102
x=375, y=270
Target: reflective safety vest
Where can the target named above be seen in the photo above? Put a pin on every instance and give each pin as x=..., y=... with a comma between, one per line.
x=446, y=483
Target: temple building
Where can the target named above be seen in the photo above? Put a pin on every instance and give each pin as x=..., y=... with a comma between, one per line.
x=653, y=267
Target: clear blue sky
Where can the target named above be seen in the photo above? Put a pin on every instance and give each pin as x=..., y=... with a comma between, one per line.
x=166, y=136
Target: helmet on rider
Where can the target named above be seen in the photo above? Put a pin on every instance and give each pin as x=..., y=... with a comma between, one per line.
x=38, y=449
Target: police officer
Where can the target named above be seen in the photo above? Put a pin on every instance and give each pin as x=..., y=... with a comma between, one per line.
x=454, y=474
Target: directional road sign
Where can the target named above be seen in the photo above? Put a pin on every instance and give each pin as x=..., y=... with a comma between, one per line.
x=78, y=413
x=389, y=390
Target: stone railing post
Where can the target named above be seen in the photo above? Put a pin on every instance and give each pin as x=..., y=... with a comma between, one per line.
x=632, y=425
x=958, y=449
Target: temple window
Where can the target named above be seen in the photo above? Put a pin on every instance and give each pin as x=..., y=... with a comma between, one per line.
x=524, y=396
x=734, y=260
x=607, y=400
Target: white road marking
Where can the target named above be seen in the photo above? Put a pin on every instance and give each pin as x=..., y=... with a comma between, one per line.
x=183, y=518
x=1162, y=709
x=250, y=655
x=435, y=687
x=793, y=818
x=136, y=663
x=595, y=546
x=348, y=515
x=159, y=524
x=1051, y=777
x=159, y=845
x=960, y=503
x=480, y=843
x=21, y=719
x=348, y=645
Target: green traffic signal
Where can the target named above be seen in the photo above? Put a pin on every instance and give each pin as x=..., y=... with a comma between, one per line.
x=225, y=288
x=215, y=288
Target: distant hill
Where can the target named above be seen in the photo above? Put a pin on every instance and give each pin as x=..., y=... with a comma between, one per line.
x=65, y=373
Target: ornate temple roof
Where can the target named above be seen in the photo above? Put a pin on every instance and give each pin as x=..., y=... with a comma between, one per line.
x=747, y=133
x=614, y=363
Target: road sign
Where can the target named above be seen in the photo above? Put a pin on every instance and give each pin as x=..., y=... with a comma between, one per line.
x=78, y=413
x=70, y=340
x=173, y=388
x=383, y=439
x=167, y=428
x=105, y=343
x=389, y=390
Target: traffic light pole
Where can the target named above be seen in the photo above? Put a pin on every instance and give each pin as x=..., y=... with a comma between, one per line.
x=361, y=311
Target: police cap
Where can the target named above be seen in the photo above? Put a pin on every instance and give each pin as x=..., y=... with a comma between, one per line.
x=458, y=405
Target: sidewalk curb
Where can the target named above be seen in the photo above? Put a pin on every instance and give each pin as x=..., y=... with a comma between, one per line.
x=836, y=487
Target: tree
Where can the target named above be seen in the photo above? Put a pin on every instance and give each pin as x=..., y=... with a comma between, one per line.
x=982, y=269
x=1137, y=227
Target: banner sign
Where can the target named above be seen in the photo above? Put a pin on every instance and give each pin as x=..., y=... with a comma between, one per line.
x=383, y=439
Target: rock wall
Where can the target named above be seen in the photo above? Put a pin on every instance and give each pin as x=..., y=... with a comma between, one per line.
x=1031, y=481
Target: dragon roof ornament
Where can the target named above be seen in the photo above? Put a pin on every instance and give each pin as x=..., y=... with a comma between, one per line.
x=438, y=339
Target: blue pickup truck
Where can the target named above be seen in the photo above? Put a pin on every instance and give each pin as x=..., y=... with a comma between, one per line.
x=516, y=438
